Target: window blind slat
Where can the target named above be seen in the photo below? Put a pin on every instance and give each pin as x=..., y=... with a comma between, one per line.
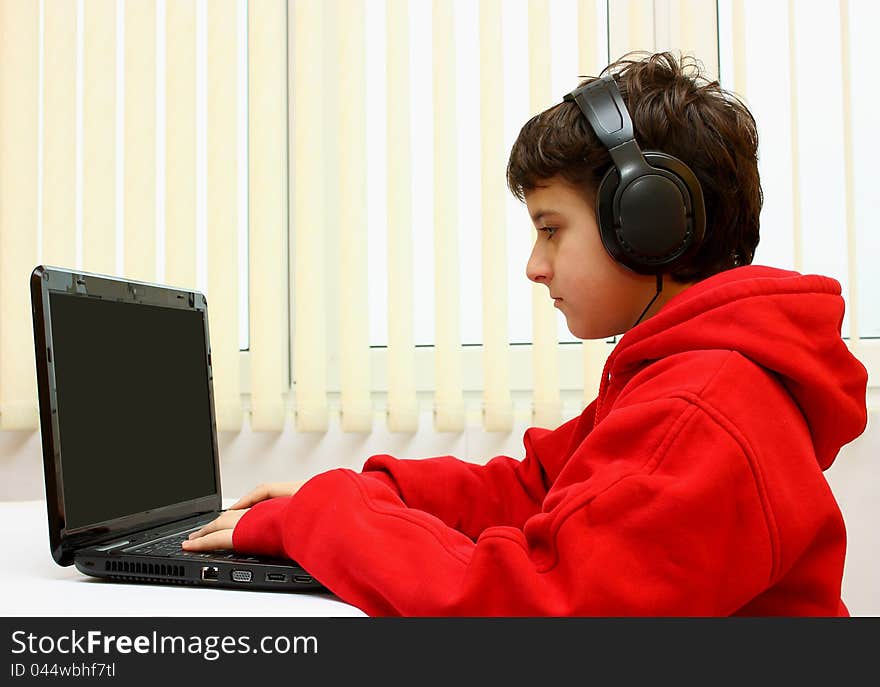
x=852, y=306
x=356, y=406
x=738, y=13
x=589, y=30
x=861, y=107
x=222, y=208
x=695, y=32
x=307, y=191
x=140, y=140
x=180, y=143
x=547, y=402
x=59, y=134
x=448, y=396
x=822, y=165
x=403, y=410
x=497, y=403
x=267, y=221
x=99, y=137
x=631, y=26
x=19, y=83
x=794, y=132
x=589, y=63
x=764, y=27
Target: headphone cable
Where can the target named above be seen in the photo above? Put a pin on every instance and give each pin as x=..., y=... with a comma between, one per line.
x=659, y=289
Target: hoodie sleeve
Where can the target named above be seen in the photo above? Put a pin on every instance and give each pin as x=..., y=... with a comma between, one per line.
x=469, y=497
x=638, y=537
x=465, y=496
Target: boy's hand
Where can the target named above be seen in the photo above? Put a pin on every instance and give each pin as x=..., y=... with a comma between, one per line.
x=269, y=490
x=217, y=534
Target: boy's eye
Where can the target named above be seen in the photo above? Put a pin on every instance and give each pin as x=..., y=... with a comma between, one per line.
x=548, y=230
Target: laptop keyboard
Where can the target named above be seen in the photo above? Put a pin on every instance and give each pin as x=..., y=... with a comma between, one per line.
x=167, y=546
x=170, y=546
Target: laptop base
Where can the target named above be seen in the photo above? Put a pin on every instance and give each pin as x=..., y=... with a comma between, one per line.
x=198, y=571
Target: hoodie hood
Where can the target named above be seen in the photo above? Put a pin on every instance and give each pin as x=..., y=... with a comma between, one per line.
x=784, y=321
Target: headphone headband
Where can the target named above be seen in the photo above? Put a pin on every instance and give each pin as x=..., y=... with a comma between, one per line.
x=603, y=106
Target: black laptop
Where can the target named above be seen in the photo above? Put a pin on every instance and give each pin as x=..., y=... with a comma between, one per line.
x=129, y=434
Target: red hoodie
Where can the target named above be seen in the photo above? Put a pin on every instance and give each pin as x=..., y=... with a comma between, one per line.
x=692, y=485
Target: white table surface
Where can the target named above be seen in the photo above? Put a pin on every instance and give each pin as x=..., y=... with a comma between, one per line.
x=33, y=584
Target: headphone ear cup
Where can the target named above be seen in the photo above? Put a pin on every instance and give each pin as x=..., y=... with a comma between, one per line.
x=605, y=217
x=658, y=221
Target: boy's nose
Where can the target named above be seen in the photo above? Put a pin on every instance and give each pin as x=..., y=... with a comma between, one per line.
x=538, y=267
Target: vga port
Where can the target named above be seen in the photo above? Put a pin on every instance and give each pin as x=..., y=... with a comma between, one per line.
x=242, y=575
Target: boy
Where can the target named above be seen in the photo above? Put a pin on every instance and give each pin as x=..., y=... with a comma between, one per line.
x=693, y=484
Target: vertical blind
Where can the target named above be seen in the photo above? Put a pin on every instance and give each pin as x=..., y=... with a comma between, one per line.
x=222, y=209
x=311, y=298
x=403, y=406
x=112, y=162
x=497, y=401
x=139, y=139
x=19, y=160
x=267, y=136
x=548, y=406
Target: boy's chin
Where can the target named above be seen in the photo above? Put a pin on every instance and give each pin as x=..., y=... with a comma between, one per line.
x=592, y=333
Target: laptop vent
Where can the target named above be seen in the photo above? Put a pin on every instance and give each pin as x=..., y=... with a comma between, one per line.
x=151, y=580
x=157, y=569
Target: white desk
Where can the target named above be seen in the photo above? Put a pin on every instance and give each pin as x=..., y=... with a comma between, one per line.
x=32, y=584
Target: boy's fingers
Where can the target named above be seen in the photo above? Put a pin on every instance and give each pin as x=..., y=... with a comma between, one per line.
x=266, y=491
x=258, y=494
x=202, y=531
x=221, y=522
x=221, y=539
x=241, y=503
x=217, y=534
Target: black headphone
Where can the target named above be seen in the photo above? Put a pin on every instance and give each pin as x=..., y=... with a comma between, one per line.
x=649, y=206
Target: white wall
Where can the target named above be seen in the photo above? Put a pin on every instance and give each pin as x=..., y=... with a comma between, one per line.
x=855, y=481
x=250, y=458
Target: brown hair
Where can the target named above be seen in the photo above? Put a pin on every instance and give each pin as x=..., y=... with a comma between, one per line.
x=676, y=110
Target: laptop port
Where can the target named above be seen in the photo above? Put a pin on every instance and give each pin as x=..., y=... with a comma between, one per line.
x=303, y=579
x=276, y=577
x=210, y=572
x=241, y=575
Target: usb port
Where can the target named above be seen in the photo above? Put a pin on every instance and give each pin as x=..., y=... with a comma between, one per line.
x=241, y=575
x=276, y=577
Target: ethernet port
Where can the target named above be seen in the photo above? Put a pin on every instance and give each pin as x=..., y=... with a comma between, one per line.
x=210, y=572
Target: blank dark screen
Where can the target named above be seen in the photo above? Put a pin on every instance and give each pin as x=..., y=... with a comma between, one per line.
x=133, y=407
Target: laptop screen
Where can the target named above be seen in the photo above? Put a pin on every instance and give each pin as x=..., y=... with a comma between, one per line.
x=133, y=407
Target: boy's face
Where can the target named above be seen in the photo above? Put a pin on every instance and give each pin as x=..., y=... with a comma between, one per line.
x=598, y=296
